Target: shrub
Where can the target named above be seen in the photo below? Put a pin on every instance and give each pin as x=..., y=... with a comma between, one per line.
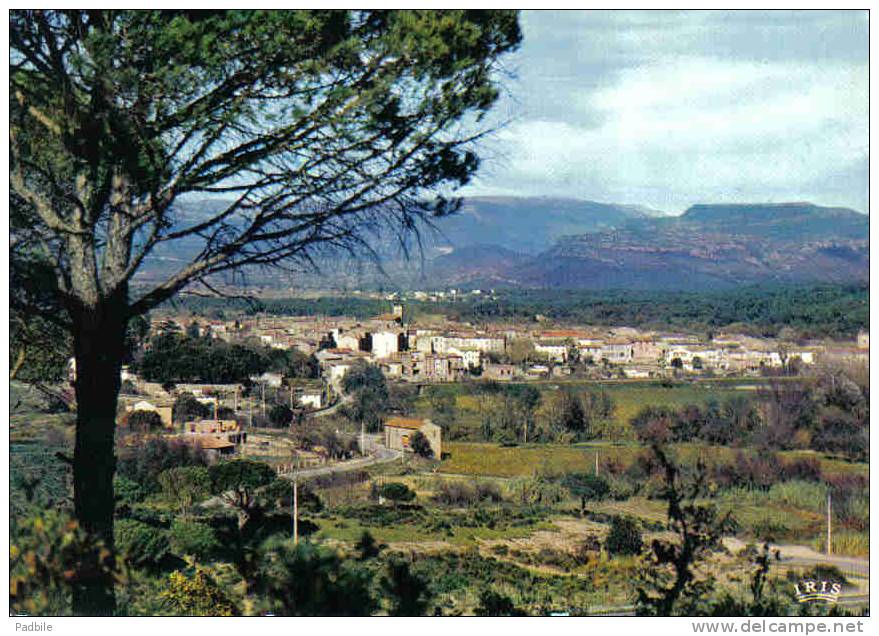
x=192, y=539
x=185, y=486
x=186, y=408
x=408, y=593
x=586, y=486
x=127, y=491
x=46, y=553
x=367, y=547
x=143, y=464
x=397, y=492
x=768, y=529
x=139, y=543
x=305, y=579
x=620, y=489
x=536, y=491
x=455, y=493
x=458, y=493
x=492, y=603
x=804, y=469
x=280, y=415
x=486, y=491
x=653, y=424
x=195, y=595
x=420, y=445
x=144, y=421
x=624, y=537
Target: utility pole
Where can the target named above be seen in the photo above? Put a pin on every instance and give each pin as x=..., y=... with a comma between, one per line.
x=295, y=511
x=362, y=438
x=263, y=387
x=829, y=522
x=596, y=464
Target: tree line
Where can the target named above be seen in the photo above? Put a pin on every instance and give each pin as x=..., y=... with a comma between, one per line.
x=175, y=357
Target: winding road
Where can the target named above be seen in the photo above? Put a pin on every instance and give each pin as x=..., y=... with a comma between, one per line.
x=802, y=555
x=382, y=455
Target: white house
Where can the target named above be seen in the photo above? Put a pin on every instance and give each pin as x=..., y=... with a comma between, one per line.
x=554, y=351
x=384, y=343
x=312, y=398
x=348, y=341
x=470, y=357
x=338, y=370
x=617, y=352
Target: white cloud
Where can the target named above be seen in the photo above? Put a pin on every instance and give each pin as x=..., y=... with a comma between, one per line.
x=668, y=122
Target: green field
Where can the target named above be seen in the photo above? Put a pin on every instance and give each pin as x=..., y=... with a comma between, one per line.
x=629, y=397
x=480, y=458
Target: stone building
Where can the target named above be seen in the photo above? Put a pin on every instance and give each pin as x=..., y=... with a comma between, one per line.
x=399, y=432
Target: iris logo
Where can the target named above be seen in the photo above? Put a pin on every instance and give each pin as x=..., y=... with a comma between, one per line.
x=811, y=590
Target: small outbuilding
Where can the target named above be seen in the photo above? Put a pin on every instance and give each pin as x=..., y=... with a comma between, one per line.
x=399, y=432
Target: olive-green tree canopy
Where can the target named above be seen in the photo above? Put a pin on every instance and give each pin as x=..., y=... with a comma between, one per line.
x=289, y=132
x=314, y=125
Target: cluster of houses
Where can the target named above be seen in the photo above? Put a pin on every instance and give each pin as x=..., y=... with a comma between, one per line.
x=451, y=352
x=213, y=435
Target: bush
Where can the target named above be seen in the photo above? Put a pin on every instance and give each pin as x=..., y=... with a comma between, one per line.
x=186, y=408
x=536, y=491
x=306, y=579
x=420, y=445
x=192, y=539
x=141, y=544
x=492, y=603
x=653, y=424
x=46, y=551
x=486, y=491
x=455, y=493
x=397, y=492
x=143, y=464
x=804, y=469
x=624, y=537
x=195, y=595
x=185, y=486
x=127, y=491
x=280, y=415
x=586, y=486
x=144, y=421
x=459, y=493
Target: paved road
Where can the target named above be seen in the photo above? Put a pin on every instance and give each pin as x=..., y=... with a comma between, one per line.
x=381, y=455
x=802, y=555
x=330, y=410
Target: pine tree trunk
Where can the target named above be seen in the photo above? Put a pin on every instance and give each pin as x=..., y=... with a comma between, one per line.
x=99, y=341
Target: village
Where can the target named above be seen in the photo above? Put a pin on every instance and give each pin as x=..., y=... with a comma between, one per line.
x=433, y=353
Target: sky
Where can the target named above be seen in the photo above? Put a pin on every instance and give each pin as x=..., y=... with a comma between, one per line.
x=668, y=109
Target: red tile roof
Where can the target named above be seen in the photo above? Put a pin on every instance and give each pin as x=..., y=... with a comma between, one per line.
x=410, y=423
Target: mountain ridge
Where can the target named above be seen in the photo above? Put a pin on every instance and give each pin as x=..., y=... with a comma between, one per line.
x=538, y=242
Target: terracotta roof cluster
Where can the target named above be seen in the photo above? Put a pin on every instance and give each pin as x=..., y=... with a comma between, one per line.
x=410, y=423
